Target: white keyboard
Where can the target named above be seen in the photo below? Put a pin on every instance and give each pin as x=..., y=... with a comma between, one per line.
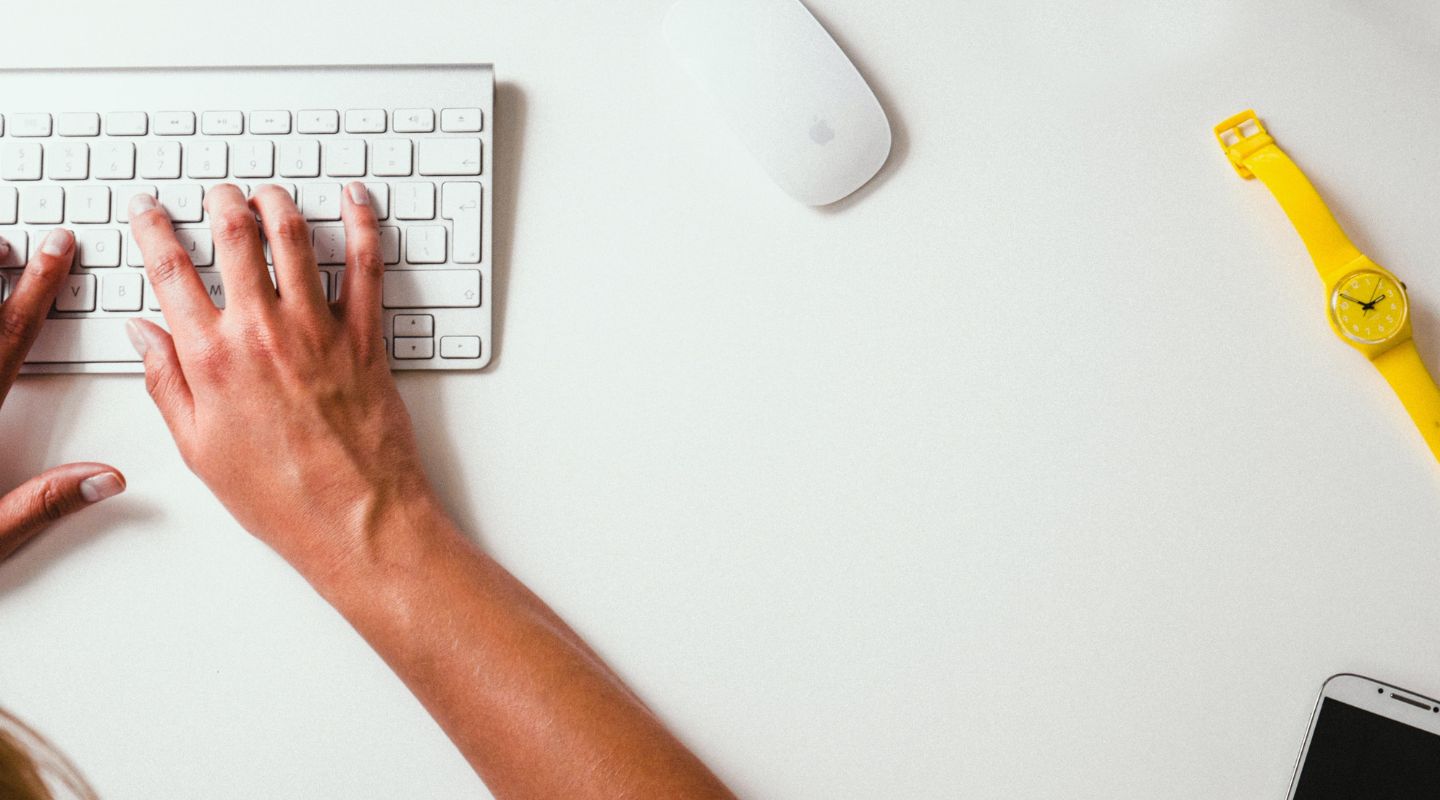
x=76, y=145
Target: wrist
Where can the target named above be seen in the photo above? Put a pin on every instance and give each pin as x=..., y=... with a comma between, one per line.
x=385, y=541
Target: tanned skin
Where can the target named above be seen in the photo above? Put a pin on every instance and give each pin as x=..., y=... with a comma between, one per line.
x=283, y=378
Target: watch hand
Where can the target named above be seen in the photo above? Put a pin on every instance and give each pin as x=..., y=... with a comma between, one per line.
x=1351, y=299
x=1378, y=284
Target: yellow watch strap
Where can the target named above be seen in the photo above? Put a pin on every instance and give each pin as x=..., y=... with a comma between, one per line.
x=1254, y=154
x=1406, y=373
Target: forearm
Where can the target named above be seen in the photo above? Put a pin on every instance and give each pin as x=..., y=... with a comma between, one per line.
x=533, y=709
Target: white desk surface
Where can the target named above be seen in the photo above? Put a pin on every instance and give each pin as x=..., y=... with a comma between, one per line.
x=1035, y=471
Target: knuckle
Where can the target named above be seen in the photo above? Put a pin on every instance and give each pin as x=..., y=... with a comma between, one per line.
x=169, y=266
x=232, y=225
x=210, y=356
x=50, y=502
x=292, y=228
x=264, y=341
x=160, y=382
x=15, y=327
x=365, y=255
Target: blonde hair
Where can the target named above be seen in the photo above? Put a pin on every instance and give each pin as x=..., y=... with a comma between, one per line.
x=32, y=769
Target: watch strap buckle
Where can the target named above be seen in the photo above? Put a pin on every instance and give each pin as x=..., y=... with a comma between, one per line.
x=1241, y=136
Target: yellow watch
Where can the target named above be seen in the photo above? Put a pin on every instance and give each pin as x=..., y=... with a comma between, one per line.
x=1366, y=303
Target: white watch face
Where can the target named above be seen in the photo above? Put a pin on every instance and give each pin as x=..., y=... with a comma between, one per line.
x=1369, y=307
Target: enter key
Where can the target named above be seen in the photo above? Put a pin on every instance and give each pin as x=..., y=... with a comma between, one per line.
x=460, y=203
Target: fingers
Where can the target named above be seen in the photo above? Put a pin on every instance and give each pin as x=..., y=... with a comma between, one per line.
x=24, y=312
x=238, y=250
x=183, y=300
x=296, y=275
x=164, y=379
x=364, y=267
x=50, y=496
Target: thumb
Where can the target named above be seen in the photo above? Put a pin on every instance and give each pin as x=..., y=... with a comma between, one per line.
x=164, y=379
x=51, y=495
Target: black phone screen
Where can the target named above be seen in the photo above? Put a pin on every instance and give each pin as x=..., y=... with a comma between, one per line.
x=1359, y=755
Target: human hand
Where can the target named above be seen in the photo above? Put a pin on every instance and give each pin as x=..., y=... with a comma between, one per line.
x=282, y=403
x=50, y=495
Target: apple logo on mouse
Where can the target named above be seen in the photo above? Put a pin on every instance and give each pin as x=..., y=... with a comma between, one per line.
x=821, y=132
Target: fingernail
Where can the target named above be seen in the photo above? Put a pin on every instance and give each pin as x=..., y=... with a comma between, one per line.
x=141, y=203
x=138, y=339
x=58, y=242
x=98, y=487
x=359, y=195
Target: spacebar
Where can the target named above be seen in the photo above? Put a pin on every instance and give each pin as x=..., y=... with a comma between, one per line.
x=81, y=341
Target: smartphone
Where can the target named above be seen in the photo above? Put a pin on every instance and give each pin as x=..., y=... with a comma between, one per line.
x=1369, y=739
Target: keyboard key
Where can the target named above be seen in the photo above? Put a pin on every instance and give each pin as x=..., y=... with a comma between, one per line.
x=99, y=247
x=432, y=288
x=127, y=123
x=159, y=160
x=222, y=123
x=365, y=120
x=20, y=161
x=29, y=125
x=460, y=347
x=77, y=293
x=462, y=120
x=42, y=205
x=379, y=199
x=122, y=291
x=448, y=156
x=319, y=120
x=422, y=325
x=414, y=120
x=409, y=349
x=391, y=158
x=68, y=161
x=9, y=206
x=253, y=159
x=425, y=244
x=183, y=201
x=329, y=245
x=198, y=245
x=72, y=341
x=213, y=287
x=390, y=244
x=115, y=161
x=207, y=159
x=460, y=203
x=300, y=158
x=345, y=158
x=414, y=201
x=320, y=201
x=123, y=195
x=174, y=123
x=19, y=248
x=270, y=122
x=88, y=204
x=77, y=124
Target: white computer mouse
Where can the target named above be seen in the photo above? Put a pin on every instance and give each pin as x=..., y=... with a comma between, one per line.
x=802, y=108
